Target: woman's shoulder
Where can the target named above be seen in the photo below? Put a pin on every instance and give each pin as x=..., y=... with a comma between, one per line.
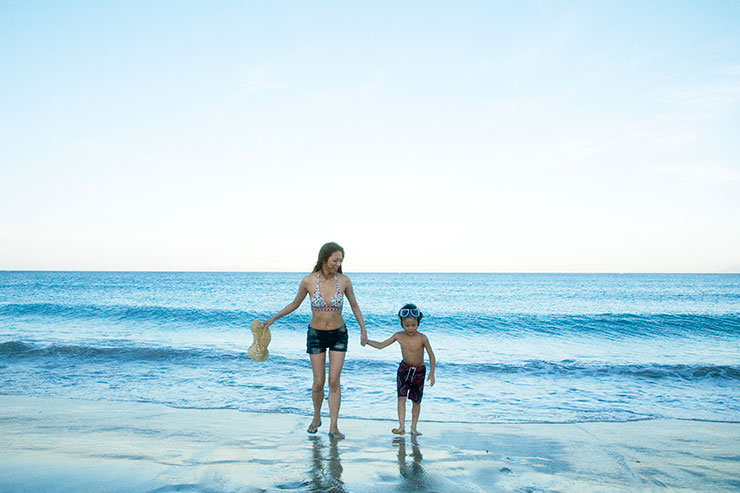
x=308, y=278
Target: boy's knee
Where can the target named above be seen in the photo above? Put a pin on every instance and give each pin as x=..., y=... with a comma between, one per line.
x=333, y=384
x=318, y=386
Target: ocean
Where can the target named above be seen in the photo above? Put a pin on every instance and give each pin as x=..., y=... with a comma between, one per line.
x=510, y=348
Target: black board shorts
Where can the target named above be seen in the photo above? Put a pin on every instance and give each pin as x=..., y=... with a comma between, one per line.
x=318, y=341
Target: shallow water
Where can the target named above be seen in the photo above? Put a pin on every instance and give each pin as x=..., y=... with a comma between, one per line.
x=510, y=347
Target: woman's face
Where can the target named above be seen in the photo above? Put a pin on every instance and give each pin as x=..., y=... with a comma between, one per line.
x=334, y=262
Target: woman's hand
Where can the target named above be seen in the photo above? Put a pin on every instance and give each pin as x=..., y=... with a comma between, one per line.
x=363, y=338
x=266, y=324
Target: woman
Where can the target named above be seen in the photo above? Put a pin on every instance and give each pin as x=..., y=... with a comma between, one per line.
x=327, y=330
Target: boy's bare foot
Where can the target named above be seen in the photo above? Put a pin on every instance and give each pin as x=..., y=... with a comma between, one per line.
x=398, y=431
x=415, y=433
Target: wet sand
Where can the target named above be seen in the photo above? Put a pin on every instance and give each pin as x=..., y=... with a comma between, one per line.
x=52, y=444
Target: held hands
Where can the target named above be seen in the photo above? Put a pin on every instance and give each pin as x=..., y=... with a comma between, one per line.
x=363, y=338
x=430, y=379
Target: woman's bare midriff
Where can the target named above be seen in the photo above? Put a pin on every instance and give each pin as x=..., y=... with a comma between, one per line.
x=326, y=320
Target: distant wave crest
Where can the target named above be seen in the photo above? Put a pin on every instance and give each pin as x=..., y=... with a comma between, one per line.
x=607, y=325
x=566, y=368
x=18, y=349
x=153, y=314
x=646, y=371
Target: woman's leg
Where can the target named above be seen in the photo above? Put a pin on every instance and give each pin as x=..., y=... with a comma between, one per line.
x=318, y=365
x=336, y=362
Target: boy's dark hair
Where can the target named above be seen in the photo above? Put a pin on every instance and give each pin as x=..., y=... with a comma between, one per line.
x=327, y=250
x=409, y=306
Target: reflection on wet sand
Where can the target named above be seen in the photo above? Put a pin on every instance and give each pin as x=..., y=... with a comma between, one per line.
x=413, y=474
x=325, y=473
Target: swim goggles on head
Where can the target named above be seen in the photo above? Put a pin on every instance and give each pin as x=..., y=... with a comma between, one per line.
x=409, y=312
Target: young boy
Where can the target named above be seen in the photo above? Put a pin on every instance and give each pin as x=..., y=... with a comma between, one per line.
x=410, y=374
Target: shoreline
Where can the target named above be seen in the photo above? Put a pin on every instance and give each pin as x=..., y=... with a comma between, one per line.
x=74, y=445
x=308, y=415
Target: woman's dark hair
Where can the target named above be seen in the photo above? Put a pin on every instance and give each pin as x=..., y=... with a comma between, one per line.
x=326, y=251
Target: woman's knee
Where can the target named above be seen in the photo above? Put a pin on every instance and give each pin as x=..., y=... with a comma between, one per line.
x=334, y=383
x=318, y=385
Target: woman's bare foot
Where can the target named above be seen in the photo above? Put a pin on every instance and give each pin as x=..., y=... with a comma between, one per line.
x=336, y=435
x=415, y=433
x=398, y=431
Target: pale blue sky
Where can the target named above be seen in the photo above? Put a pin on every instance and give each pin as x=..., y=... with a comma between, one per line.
x=422, y=136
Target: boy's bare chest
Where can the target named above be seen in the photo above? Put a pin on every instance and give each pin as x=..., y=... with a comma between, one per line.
x=411, y=343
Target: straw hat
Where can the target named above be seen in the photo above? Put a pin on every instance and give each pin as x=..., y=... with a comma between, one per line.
x=258, y=350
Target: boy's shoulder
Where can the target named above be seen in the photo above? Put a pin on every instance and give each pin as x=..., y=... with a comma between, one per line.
x=403, y=335
x=422, y=336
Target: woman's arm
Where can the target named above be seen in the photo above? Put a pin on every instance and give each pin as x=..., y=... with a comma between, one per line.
x=302, y=292
x=349, y=291
x=381, y=345
x=432, y=360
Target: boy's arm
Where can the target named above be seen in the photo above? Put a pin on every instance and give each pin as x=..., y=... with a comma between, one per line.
x=432, y=361
x=381, y=345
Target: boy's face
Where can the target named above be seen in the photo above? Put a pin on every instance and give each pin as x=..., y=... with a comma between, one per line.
x=410, y=325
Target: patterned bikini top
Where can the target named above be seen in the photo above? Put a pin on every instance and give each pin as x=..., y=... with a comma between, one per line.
x=318, y=303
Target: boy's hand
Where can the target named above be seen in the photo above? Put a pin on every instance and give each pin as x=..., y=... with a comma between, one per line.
x=430, y=377
x=363, y=338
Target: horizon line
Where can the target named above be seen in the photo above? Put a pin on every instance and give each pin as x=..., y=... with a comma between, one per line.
x=144, y=271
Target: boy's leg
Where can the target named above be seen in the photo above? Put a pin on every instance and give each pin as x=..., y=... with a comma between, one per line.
x=415, y=411
x=318, y=366
x=336, y=362
x=401, y=416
